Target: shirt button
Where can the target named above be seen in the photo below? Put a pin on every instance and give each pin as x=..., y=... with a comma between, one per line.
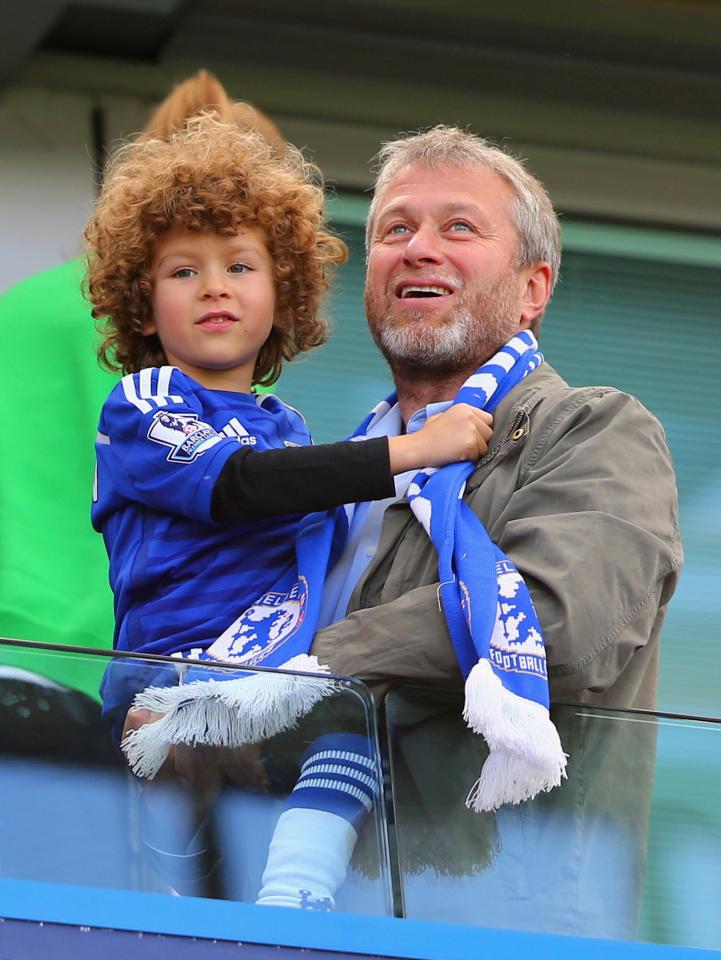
x=370, y=552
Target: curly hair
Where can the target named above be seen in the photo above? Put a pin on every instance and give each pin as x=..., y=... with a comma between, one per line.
x=211, y=176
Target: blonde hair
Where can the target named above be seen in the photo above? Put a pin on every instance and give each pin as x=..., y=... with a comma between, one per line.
x=204, y=92
x=209, y=176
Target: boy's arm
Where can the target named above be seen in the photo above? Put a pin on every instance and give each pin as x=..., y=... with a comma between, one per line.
x=254, y=485
x=155, y=448
x=257, y=484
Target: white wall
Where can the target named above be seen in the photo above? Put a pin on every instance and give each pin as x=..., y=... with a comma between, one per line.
x=46, y=179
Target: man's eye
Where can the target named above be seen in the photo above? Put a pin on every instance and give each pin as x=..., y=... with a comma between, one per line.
x=397, y=229
x=238, y=268
x=183, y=273
x=460, y=226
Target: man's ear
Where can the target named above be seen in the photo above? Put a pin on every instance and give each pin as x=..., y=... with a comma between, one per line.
x=536, y=292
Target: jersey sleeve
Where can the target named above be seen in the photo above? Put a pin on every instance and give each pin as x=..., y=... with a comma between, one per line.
x=155, y=448
x=253, y=485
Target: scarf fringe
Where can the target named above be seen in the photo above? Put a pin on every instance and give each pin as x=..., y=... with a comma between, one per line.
x=526, y=756
x=224, y=713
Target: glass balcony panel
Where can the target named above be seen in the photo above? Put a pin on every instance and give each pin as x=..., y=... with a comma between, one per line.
x=73, y=813
x=629, y=847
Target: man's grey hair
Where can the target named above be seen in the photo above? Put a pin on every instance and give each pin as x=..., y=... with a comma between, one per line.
x=532, y=212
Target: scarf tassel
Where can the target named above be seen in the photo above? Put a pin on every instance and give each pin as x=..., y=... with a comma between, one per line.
x=526, y=756
x=227, y=713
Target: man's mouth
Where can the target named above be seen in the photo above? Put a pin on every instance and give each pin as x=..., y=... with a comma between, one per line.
x=418, y=291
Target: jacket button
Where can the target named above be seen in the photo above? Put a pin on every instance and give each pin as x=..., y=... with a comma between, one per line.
x=518, y=433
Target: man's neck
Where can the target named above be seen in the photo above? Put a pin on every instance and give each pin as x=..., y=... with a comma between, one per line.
x=416, y=390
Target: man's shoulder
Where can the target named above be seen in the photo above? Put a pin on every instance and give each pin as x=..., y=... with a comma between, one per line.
x=548, y=399
x=545, y=384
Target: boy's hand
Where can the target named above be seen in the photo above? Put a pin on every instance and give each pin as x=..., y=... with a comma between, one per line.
x=462, y=432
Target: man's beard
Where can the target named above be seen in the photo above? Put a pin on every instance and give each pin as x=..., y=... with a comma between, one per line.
x=477, y=327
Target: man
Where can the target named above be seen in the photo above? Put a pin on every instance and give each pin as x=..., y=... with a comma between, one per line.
x=577, y=488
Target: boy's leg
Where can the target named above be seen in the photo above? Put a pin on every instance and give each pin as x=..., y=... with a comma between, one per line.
x=315, y=835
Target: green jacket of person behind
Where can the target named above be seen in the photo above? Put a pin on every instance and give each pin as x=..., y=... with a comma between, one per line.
x=54, y=574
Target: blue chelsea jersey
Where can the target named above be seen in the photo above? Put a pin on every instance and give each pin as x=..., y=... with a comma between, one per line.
x=179, y=579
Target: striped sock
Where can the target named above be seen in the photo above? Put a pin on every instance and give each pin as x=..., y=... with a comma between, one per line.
x=315, y=835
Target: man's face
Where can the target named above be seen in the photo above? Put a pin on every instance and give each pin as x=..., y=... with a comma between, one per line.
x=442, y=288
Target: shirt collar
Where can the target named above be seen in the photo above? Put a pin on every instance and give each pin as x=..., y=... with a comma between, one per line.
x=430, y=410
x=391, y=425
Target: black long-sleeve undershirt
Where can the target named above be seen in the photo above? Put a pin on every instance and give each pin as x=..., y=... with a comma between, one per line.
x=256, y=484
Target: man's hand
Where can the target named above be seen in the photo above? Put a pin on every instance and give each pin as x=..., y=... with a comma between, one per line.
x=205, y=769
x=462, y=432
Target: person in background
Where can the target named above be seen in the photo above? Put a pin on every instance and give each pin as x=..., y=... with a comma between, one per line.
x=203, y=91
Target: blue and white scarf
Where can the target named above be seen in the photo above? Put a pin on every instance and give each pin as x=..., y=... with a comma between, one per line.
x=487, y=607
x=490, y=615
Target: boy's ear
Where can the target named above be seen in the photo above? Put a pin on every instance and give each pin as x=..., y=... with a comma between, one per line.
x=149, y=328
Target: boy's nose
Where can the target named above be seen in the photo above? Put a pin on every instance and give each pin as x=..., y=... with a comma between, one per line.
x=423, y=246
x=216, y=285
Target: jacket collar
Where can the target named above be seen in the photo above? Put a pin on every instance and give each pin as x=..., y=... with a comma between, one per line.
x=511, y=419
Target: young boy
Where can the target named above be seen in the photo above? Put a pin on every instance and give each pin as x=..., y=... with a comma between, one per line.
x=207, y=258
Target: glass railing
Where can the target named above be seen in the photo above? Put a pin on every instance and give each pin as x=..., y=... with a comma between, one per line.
x=628, y=848
x=297, y=814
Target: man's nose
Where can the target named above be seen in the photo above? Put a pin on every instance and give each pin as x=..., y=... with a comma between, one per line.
x=424, y=246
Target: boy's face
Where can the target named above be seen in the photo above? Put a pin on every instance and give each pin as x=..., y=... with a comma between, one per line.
x=213, y=304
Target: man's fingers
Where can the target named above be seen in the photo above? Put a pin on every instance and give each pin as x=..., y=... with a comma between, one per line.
x=137, y=717
x=244, y=767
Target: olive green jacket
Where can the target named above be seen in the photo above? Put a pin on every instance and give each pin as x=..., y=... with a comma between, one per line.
x=578, y=489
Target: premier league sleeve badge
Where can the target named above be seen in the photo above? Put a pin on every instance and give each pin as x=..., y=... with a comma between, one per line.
x=184, y=433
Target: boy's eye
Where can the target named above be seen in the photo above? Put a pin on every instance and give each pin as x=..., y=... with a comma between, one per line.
x=183, y=272
x=238, y=267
